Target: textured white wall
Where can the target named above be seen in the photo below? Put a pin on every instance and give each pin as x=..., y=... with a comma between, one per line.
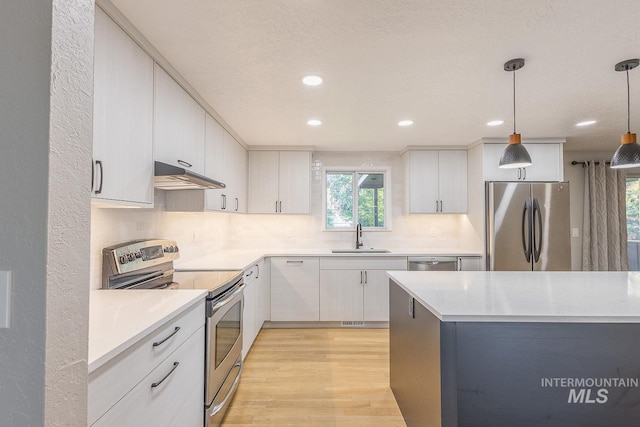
x=69, y=213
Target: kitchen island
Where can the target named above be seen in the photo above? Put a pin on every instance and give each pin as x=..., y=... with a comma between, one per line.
x=516, y=348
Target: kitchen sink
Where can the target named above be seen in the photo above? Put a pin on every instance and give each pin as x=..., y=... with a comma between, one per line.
x=360, y=251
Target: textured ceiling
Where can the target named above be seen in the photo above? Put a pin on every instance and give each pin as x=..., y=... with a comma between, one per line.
x=436, y=62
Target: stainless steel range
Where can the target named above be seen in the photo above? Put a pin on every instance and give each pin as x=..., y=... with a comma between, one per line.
x=148, y=264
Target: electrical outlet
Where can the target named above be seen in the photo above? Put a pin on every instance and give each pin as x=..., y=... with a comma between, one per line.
x=5, y=299
x=288, y=231
x=575, y=232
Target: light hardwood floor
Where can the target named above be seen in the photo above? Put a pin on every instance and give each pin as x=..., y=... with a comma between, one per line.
x=316, y=377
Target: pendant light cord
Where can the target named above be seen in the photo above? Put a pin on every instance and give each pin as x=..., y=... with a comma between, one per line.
x=514, y=99
x=628, y=105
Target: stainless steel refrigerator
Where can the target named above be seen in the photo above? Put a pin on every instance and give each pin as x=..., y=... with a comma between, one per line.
x=528, y=226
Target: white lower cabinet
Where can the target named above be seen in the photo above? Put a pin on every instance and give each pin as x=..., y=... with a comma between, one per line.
x=254, y=312
x=341, y=295
x=264, y=297
x=249, y=311
x=157, y=380
x=356, y=288
x=295, y=289
x=376, y=296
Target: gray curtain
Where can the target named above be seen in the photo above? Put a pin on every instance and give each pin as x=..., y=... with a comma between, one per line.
x=604, y=235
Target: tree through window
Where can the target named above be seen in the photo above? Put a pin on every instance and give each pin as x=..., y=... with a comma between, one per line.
x=355, y=197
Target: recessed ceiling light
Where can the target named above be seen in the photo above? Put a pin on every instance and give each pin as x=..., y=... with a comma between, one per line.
x=312, y=80
x=585, y=123
x=495, y=122
x=314, y=122
x=405, y=122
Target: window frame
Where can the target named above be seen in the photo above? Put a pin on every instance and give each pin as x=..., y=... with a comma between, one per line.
x=385, y=170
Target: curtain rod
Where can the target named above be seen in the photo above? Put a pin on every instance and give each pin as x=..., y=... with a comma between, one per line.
x=573, y=163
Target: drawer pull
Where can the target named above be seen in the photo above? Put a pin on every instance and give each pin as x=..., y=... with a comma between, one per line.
x=295, y=262
x=175, y=331
x=175, y=365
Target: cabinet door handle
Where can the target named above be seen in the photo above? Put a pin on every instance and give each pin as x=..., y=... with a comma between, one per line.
x=437, y=206
x=440, y=205
x=93, y=174
x=185, y=164
x=99, y=163
x=519, y=173
x=412, y=308
x=156, y=384
x=276, y=206
x=223, y=202
x=237, y=204
x=257, y=271
x=175, y=331
x=366, y=278
x=295, y=262
x=280, y=206
x=524, y=171
x=361, y=281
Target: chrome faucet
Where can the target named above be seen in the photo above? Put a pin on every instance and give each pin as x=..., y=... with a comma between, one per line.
x=359, y=243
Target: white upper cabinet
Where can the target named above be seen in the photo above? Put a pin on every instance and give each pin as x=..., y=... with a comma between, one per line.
x=279, y=182
x=226, y=161
x=546, y=159
x=238, y=160
x=216, y=160
x=436, y=181
x=179, y=125
x=122, y=118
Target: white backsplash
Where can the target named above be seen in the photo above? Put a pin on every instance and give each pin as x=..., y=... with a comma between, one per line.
x=209, y=232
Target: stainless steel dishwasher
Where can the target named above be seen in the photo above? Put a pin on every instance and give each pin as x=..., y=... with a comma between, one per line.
x=432, y=263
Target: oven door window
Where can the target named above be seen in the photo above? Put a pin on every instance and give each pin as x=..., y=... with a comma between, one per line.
x=227, y=332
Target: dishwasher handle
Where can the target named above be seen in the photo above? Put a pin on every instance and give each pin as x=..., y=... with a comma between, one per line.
x=432, y=264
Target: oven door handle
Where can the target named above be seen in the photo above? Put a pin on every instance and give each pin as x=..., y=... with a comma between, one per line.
x=227, y=300
x=232, y=389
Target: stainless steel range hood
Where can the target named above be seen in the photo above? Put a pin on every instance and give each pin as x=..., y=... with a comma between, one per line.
x=169, y=177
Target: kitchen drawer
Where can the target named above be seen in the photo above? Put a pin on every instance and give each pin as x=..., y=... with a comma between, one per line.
x=363, y=263
x=146, y=405
x=115, y=378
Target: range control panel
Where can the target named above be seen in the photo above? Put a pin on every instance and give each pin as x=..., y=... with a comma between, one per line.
x=140, y=254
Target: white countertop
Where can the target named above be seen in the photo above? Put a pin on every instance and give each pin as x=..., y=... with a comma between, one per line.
x=501, y=296
x=239, y=259
x=120, y=318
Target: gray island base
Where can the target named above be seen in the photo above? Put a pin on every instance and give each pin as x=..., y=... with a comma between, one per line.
x=477, y=365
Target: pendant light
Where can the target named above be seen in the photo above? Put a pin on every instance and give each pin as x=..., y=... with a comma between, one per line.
x=514, y=155
x=628, y=154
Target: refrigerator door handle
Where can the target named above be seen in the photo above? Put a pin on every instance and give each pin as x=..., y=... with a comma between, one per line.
x=537, y=246
x=526, y=221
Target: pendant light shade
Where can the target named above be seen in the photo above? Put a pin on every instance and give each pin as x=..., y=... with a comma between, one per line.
x=514, y=155
x=628, y=154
